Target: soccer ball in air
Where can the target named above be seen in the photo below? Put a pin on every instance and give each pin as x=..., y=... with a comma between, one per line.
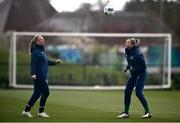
x=109, y=10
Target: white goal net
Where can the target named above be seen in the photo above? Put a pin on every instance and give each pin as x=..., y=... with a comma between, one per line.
x=91, y=60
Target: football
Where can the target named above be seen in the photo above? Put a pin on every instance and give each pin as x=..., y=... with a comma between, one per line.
x=109, y=10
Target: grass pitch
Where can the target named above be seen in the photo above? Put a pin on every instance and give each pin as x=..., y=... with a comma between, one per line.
x=89, y=106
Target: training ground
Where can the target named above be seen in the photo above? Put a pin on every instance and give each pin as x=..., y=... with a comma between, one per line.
x=90, y=106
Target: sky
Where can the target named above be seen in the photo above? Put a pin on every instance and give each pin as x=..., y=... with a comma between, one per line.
x=72, y=5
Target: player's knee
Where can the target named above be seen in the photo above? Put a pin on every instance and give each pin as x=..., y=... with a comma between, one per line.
x=46, y=94
x=37, y=95
x=139, y=94
x=127, y=92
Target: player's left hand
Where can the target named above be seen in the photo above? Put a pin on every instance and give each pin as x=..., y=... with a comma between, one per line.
x=59, y=61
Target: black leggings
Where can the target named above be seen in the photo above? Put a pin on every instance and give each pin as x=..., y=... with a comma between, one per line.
x=138, y=82
x=41, y=88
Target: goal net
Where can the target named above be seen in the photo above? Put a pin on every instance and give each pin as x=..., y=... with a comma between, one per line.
x=91, y=60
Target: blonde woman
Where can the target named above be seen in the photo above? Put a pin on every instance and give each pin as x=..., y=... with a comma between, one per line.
x=137, y=67
x=39, y=72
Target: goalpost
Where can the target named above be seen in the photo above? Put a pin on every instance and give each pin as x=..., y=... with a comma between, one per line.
x=96, y=62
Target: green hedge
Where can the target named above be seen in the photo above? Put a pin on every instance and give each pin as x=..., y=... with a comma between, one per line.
x=4, y=57
x=71, y=74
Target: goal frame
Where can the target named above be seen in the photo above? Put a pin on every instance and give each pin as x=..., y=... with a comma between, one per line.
x=12, y=58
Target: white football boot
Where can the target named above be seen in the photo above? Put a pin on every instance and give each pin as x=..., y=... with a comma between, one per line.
x=43, y=114
x=123, y=115
x=27, y=114
x=147, y=115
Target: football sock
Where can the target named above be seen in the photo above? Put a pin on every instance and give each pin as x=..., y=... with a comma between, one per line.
x=146, y=109
x=41, y=109
x=28, y=108
x=126, y=109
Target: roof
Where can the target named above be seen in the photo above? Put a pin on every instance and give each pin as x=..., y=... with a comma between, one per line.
x=126, y=22
x=4, y=10
x=21, y=15
x=39, y=15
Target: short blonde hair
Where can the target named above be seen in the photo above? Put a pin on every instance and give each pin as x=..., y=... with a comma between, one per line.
x=135, y=41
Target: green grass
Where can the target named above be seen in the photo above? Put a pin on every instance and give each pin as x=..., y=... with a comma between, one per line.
x=80, y=75
x=67, y=74
x=90, y=106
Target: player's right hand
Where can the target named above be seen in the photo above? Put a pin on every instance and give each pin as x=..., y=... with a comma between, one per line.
x=33, y=77
x=125, y=70
x=59, y=61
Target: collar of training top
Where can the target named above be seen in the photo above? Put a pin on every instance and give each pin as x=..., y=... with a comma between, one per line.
x=132, y=50
x=39, y=47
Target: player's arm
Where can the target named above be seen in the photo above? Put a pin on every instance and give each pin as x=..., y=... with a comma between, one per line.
x=51, y=63
x=34, y=61
x=127, y=68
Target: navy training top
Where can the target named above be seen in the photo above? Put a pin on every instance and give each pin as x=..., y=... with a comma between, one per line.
x=135, y=60
x=40, y=62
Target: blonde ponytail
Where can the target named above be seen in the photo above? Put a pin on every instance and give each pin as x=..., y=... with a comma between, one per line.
x=134, y=41
x=32, y=42
x=137, y=42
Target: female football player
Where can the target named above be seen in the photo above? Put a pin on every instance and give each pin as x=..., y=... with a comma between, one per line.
x=137, y=67
x=39, y=72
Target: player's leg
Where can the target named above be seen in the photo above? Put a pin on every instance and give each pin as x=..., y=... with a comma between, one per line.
x=139, y=93
x=128, y=91
x=127, y=96
x=45, y=94
x=36, y=94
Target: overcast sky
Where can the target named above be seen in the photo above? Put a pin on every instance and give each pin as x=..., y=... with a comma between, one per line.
x=72, y=5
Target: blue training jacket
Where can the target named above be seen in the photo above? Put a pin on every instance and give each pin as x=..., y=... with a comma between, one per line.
x=135, y=60
x=39, y=62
